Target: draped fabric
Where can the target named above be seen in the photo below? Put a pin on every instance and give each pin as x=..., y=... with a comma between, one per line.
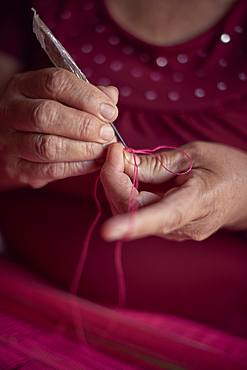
x=130, y=339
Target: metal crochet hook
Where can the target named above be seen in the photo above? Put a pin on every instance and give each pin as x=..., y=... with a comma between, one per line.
x=59, y=55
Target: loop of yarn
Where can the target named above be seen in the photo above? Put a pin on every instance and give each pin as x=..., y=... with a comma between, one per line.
x=132, y=208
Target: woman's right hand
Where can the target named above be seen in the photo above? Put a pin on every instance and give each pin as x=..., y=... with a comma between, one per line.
x=52, y=126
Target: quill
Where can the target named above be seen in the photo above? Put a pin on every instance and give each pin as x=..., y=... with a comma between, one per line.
x=59, y=55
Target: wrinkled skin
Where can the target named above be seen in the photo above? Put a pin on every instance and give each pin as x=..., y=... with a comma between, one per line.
x=52, y=126
x=211, y=196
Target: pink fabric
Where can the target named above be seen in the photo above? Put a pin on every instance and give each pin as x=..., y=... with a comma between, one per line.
x=147, y=340
x=168, y=95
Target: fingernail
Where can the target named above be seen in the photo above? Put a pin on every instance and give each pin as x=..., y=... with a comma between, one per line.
x=106, y=132
x=107, y=111
x=130, y=158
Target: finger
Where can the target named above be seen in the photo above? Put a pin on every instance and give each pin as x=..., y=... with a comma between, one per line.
x=110, y=91
x=51, y=117
x=39, y=174
x=161, y=218
x=63, y=86
x=156, y=168
x=51, y=148
x=117, y=184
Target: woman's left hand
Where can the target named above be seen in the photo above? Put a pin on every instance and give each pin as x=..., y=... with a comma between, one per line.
x=211, y=196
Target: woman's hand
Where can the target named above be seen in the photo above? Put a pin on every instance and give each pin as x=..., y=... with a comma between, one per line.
x=52, y=126
x=211, y=196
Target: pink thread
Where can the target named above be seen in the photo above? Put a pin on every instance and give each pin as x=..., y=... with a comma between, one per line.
x=132, y=208
x=151, y=152
x=82, y=259
x=79, y=270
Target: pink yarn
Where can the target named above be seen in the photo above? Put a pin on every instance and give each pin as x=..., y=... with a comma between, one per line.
x=132, y=207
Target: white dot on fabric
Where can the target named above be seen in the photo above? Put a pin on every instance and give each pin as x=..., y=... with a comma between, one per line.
x=221, y=86
x=116, y=66
x=223, y=62
x=114, y=40
x=242, y=76
x=125, y=91
x=100, y=59
x=200, y=93
x=225, y=38
x=87, y=71
x=238, y=29
x=161, y=61
x=174, y=95
x=151, y=95
x=156, y=76
x=144, y=57
x=87, y=48
x=104, y=81
x=182, y=58
x=136, y=72
x=88, y=5
x=202, y=53
x=66, y=14
x=178, y=77
x=100, y=28
x=127, y=49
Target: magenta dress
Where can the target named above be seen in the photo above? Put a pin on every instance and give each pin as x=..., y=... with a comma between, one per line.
x=168, y=96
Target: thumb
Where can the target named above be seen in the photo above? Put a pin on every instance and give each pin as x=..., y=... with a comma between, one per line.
x=156, y=167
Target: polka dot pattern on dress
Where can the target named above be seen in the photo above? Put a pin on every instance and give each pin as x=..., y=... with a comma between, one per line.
x=158, y=74
x=182, y=58
x=88, y=5
x=223, y=62
x=238, y=29
x=151, y=95
x=100, y=28
x=161, y=61
x=222, y=86
x=66, y=14
x=178, y=77
x=114, y=40
x=200, y=93
x=116, y=66
x=242, y=76
x=136, y=72
x=87, y=48
x=225, y=38
x=125, y=91
x=100, y=58
x=174, y=96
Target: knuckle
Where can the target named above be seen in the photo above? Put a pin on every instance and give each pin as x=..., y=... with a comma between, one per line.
x=85, y=128
x=154, y=165
x=13, y=82
x=89, y=96
x=53, y=171
x=55, y=81
x=92, y=150
x=49, y=147
x=43, y=115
